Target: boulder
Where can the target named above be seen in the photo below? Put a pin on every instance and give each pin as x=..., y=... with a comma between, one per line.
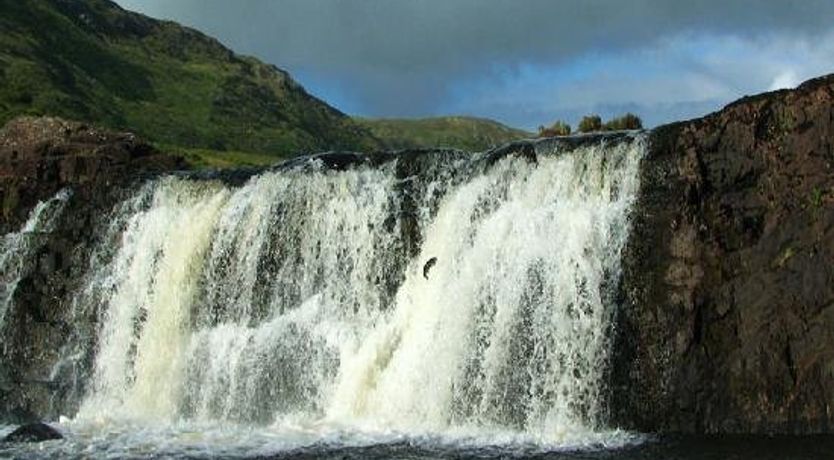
x=33, y=432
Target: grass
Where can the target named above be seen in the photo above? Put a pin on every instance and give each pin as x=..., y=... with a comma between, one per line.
x=466, y=133
x=215, y=159
x=94, y=62
x=816, y=197
x=784, y=257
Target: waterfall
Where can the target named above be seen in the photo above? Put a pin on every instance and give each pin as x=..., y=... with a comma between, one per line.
x=303, y=297
x=18, y=248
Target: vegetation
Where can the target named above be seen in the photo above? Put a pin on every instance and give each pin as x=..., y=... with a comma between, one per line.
x=590, y=123
x=467, y=133
x=95, y=62
x=593, y=123
x=816, y=201
x=215, y=159
x=558, y=128
x=625, y=122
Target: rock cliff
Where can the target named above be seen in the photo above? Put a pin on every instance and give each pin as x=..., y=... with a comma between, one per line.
x=39, y=156
x=728, y=316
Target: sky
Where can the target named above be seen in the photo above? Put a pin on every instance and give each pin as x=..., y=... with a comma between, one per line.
x=525, y=63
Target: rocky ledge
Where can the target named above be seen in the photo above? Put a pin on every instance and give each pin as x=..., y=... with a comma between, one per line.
x=39, y=156
x=728, y=317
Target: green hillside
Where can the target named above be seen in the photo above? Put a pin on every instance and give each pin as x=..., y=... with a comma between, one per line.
x=91, y=60
x=467, y=133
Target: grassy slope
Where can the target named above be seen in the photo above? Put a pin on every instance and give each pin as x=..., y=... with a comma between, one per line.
x=467, y=133
x=215, y=159
x=91, y=60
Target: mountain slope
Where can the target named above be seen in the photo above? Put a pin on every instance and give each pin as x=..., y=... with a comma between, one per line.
x=91, y=60
x=467, y=133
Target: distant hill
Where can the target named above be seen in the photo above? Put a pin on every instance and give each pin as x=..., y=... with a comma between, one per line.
x=91, y=60
x=467, y=133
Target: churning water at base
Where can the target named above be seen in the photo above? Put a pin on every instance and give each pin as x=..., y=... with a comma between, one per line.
x=292, y=308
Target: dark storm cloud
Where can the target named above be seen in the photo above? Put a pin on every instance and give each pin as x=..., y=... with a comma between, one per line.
x=404, y=57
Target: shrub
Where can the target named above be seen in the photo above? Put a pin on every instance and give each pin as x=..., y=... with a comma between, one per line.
x=627, y=121
x=558, y=128
x=590, y=123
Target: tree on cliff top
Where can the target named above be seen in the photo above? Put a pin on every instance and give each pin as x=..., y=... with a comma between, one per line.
x=593, y=123
x=627, y=121
x=558, y=128
x=590, y=123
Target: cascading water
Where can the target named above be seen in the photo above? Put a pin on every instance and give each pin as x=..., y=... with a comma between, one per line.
x=509, y=330
x=301, y=300
x=17, y=248
x=232, y=304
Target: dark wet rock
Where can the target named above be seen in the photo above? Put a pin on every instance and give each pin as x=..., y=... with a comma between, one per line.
x=409, y=162
x=728, y=316
x=33, y=432
x=531, y=149
x=520, y=149
x=233, y=177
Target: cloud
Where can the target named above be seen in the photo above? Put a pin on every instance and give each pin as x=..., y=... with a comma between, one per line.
x=677, y=78
x=785, y=80
x=422, y=57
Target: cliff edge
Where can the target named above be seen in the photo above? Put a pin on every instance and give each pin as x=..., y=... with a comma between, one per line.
x=727, y=323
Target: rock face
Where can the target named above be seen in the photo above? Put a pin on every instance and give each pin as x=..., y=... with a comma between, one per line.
x=728, y=317
x=39, y=157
